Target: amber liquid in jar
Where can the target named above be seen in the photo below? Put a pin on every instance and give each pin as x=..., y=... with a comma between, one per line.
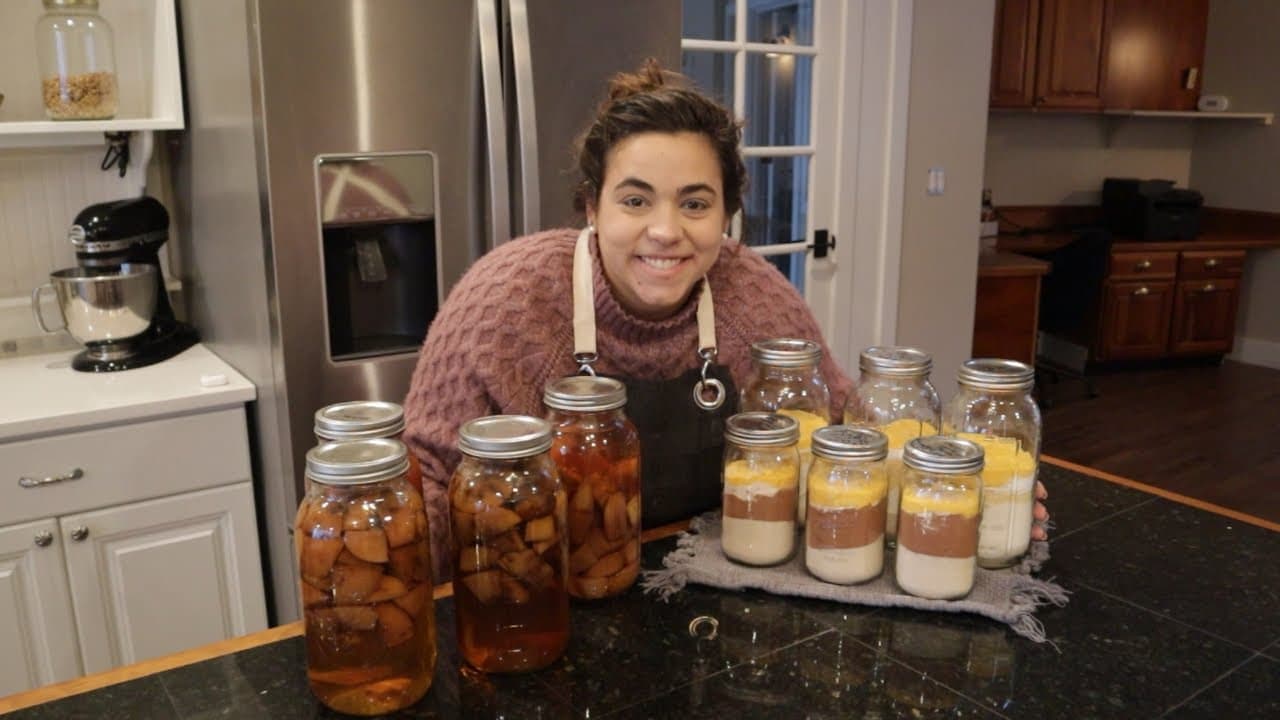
x=509, y=574
x=366, y=590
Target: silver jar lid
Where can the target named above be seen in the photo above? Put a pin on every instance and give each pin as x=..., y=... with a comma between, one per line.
x=359, y=419
x=762, y=429
x=845, y=442
x=943, y=454
x=68, y=4
x=895, y=361
x=995, y=374
x=357, y=462
x=786, y=352
x=504, y=437
x=585, y=393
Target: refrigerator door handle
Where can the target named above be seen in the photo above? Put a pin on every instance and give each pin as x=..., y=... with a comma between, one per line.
x=522, y=59
x=495, y=124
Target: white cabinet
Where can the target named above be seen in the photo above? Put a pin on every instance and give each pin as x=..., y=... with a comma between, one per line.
x=123, y=543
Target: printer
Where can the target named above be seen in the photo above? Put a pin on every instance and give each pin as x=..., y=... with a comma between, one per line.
x=1150, y=209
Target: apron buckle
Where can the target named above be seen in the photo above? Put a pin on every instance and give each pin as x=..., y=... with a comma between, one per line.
x=716, y=387
x=585, y=360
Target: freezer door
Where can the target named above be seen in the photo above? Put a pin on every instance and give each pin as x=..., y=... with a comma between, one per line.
x=571, y=50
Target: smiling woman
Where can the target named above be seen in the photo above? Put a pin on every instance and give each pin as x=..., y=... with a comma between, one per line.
x=630, y=297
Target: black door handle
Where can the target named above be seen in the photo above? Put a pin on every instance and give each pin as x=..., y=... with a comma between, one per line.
x=823, y=243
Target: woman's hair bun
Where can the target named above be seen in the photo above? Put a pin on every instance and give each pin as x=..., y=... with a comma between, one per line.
x=649, y=77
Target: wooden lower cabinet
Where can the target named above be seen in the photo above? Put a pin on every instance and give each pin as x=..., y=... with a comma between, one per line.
x=1135, y=319
x=1204, y=316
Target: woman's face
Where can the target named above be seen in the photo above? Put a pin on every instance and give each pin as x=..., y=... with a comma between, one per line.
x=659, y=219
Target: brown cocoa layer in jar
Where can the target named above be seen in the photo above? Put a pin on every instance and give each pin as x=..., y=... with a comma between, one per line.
x=842, y=528
x=941, y=535
x=778, y=506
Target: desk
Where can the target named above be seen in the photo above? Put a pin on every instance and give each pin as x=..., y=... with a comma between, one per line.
x=1187, y=622
x=1006, y=309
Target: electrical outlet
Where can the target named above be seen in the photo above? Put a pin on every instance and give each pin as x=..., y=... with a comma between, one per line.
x=937, y=181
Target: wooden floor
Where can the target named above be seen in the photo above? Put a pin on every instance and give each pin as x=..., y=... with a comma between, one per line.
x=1209, y=432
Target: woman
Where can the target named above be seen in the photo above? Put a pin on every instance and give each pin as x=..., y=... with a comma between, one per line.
x=653, y=292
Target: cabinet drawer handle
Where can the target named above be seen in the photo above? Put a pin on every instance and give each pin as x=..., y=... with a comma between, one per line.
x=44, y=538
x=79, y=533
x=1144, y=265
x=1210, y=287
x=1211, y=263
x=1144, y=290
x=30, y=482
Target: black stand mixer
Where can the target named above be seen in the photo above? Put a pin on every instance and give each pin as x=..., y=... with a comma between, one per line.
x=108, y=235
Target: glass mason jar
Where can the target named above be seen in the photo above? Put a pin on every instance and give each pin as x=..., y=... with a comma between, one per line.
x=761, y=479
x=993, y=407
x=365, y=419
x=77, y=61
x=510, y=570
x=938, y=517
x=787, y=380
x=893, y=395
x=848, y=492
x=363, y=556
x=597, y=451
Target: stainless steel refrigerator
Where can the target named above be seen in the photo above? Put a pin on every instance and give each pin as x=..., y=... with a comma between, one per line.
x=345, y=161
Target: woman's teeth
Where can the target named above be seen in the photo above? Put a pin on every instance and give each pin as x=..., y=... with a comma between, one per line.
x=661, y=263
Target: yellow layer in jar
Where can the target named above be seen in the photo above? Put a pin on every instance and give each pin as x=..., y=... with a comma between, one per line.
x=1004, y=460
x=808, y=423
x=743, y=473
x=860, y=493
x=917, y=499
x=903, y=429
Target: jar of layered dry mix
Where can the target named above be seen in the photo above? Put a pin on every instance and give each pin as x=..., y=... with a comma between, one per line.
x=994, y=408
x=787, y=379
x=938, y=517
x=848, y=493
x=362, y=548
x=363, y=420
x=77, y=61
x=761, y=484
x=893, y=395
x=597, y=451
x=509, y=522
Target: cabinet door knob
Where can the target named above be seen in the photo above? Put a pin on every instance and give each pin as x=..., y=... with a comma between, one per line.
x=1209, y=287
x=79, y=533
x=1144, y=265
x=44, y=538
x=1211, y=263
x=1144, y=290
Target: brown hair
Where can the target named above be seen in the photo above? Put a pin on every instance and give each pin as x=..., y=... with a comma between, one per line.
x=656, y=100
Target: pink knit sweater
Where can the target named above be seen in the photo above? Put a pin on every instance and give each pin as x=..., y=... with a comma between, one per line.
x=506, y=329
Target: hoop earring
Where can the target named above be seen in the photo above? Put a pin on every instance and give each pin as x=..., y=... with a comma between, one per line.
x=591, y=228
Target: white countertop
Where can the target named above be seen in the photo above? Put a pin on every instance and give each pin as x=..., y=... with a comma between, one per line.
x=41, y=394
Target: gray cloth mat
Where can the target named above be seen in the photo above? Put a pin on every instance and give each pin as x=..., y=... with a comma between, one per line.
x=1010, y=595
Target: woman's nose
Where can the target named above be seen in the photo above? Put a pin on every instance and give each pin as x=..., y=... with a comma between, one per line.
x=665, y=225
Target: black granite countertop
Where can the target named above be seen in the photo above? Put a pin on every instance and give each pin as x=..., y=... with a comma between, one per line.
x=1173, y=613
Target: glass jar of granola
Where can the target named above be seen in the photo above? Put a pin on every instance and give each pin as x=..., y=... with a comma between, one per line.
x=77, y=61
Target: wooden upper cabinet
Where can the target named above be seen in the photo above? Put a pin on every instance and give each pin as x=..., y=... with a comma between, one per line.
x=1013, y=55
x=1155, y=53
x=1069, y=72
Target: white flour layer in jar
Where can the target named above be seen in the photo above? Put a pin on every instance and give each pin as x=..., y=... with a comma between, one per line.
x=757, y=542
x=1007, y=514
x=933, y=577
x=846, y=565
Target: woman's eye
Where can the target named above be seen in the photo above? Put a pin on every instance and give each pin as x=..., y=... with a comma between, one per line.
x=633, y=201
x=697, y=204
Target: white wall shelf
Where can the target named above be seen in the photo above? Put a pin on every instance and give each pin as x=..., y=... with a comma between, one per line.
x=1264, y=118
x=146, y=51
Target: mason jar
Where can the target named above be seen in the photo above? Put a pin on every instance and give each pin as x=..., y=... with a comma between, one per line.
x=761, y=477
x=508, y=516
x=848, y=494
x=365, y=419
x=994, y=408
x=893, y=395
x=76, y=56
x=787, y=379
x=938, y=517
x=596, y=449
x=363, y=556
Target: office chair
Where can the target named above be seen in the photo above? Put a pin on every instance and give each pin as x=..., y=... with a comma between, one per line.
x=1070, y=300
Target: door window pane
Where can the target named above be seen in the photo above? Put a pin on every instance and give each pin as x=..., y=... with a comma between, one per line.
x=709, y=19
x=712, y=71
x=776, y=204
x=778, y=89
x=769, y=21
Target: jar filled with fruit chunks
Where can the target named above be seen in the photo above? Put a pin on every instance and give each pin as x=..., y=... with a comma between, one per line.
x=362, y=542
x=597, y=451
x=362, y=420
x=511, y=561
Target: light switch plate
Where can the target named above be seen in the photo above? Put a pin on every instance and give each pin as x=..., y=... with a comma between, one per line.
x=937, y=181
